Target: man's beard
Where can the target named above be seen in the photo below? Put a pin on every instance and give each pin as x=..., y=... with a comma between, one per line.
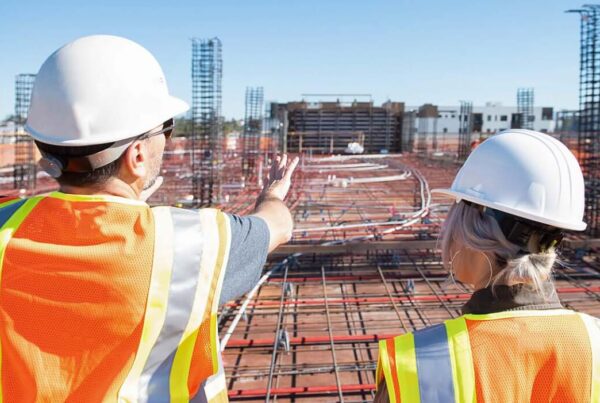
x=154, y=172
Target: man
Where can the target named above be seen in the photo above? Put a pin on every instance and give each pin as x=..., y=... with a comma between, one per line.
x=103, y=298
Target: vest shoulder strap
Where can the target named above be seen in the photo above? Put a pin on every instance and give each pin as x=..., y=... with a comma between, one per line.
x=180, y=328
x=12, y=214
x=429, y=365
x=8, y=208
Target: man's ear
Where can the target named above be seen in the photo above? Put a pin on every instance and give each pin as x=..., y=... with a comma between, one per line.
x=135, y=161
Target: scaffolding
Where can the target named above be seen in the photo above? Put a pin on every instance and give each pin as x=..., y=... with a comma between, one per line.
x=465, y=129
x=24, y=169
x=207, y=139
x=252, y=130
x=588, y=146
x=525, y=108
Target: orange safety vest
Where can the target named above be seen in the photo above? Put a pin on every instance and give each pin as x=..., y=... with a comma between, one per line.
x=105, y=299
x=511, y=356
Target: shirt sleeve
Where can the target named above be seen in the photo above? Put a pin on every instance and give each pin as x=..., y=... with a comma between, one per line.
x=247, y=256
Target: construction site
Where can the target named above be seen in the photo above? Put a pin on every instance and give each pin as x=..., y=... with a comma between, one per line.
x=364, y=262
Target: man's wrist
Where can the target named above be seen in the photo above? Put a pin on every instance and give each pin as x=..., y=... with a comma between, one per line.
x=266, y=196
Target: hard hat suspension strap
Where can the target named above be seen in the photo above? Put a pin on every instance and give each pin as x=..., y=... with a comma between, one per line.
x=519, y=230
x=55, y=165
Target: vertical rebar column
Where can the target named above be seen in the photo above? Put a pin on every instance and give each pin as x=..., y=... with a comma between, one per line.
x=24, y=171
x=207, y=139
x=252, y=129
x=525, y=107
x=588, y=142
x=465, y=129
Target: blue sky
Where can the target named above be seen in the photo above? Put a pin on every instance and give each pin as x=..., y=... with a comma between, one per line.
x=435, y=51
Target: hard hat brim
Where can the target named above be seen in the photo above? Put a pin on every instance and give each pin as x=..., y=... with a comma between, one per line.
x=171, y=107
x=458, y=196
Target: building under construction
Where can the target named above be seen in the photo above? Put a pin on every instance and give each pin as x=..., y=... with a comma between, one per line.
x=323, y=127
x=364, y=263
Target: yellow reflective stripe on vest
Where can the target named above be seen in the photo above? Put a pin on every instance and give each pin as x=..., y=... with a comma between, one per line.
x=214, y=389
x=379, y=374
x=519, y=314
x=384, y=366
x=406, y=366
x=223, y=258
x=156, y=307
x=593, y=327
x=7, y=230
x=214, y=259
x=461, y=359
x=96, y=198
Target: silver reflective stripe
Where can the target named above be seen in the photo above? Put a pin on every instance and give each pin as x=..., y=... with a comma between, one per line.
x=7, y=211
x=187, y=254
x=211, y=387
x=434, y=368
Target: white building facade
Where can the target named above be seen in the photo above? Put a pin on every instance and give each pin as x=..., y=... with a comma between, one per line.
x=490, y=118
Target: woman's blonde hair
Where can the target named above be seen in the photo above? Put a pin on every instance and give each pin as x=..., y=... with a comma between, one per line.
x=467, y=227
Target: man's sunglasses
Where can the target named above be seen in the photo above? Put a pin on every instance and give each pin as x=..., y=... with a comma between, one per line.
x=167, y=130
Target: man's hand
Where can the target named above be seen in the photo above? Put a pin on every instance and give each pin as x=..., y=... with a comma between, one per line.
x=279, y=178
x=270, y=206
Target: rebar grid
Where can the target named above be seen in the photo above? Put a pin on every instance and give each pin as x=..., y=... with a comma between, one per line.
x=336, y=308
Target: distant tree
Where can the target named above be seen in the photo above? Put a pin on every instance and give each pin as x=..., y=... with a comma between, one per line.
x=232, y=126
x=185, y=127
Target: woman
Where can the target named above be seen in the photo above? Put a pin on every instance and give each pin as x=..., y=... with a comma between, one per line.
x=514, y=196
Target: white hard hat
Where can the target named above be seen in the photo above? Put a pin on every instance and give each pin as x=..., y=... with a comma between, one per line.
x=526, y=174
x=99, y=89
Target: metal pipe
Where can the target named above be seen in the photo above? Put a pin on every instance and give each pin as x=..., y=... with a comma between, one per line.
x=331, y=341
x=299, y=390
x=309, y=340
